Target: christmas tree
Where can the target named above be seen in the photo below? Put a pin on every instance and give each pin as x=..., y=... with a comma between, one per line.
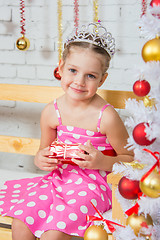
x=143, y=175
x=139, y=189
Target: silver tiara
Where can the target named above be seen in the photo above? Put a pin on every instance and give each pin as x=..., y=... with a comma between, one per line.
x=96, y=34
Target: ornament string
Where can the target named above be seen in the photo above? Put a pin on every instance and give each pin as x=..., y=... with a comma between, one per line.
x=157, y=164
x=144, y=7
x=108, y=222
x=22, y=21
x=76, y=15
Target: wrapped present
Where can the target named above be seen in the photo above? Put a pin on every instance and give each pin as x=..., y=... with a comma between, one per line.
x=65, y=152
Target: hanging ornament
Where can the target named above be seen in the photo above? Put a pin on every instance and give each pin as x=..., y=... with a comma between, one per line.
x=96, y=233
x=22, y=43
x=155, y=3
x=151, y=50
x=136, y=222
x=148, y=102
x=144, y=7
x=76, y=14
x=150, y=182
x=129, y=189
x=151, y=185
x=95, y=10
x=56, y=73
x=148, y=238
x=141, y=88
x=139, y=135
x=60, y=40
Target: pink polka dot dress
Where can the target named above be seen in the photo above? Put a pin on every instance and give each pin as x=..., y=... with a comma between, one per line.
x=61, y=199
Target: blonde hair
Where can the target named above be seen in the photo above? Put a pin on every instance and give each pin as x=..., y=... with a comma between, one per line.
x=90, y=46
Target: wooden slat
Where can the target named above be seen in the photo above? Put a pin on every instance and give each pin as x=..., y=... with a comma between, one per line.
x=117, y=215
x=117, y=212
x=5, y=234
x=29, y=93
x=113, y=178
x=117, y=98
x=6, y=220
x=20, y=145
x=44, y=94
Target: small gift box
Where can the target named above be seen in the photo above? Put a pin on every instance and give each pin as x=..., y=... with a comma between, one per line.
x=64, y=152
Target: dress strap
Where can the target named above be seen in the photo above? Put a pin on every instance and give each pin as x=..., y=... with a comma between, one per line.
x=100, y=116
x=57, y=111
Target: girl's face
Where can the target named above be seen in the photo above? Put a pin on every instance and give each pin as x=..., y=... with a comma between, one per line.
x=82, y=73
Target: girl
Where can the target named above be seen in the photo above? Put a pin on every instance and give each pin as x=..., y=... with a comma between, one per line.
x=55, y=206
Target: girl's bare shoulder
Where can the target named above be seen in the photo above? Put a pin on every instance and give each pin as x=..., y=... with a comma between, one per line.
x=49, y=115
x=111, y=119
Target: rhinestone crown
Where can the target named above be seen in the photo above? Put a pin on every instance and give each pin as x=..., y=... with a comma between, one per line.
x=96, y=34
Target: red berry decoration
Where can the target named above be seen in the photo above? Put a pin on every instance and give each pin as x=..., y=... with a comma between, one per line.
x=141, y=88
x=128, y=188
x=56, y=73
x=139, y=135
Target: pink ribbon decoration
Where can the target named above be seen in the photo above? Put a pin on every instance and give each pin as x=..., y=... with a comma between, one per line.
x=108, y=222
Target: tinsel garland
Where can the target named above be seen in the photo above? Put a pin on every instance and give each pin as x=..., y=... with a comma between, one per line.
x=60, y=40
x=22, y=21
x=144, y=7
x=95, y=10
x=76, y=14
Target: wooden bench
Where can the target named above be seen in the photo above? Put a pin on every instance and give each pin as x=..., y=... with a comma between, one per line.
x=29, y=146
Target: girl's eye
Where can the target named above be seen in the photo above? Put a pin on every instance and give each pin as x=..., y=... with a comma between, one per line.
x=91, y=76
x=72, y=70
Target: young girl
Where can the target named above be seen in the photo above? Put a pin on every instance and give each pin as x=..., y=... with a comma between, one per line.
x=54, y=207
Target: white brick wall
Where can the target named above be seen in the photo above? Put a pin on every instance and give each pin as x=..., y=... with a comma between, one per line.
x=36, y=65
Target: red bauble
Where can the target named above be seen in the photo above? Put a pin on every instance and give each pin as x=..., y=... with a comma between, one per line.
x=155, y=3
x=129, y=189
x=139, y=135
x=56, y=73
x=141, y=88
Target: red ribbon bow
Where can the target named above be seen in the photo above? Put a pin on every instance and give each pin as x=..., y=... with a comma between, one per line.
x=157, y=164
x=108, y=222
x=135, y=208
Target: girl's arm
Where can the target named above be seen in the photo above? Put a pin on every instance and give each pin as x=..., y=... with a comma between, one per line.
x=48, y=125
x=113, y=127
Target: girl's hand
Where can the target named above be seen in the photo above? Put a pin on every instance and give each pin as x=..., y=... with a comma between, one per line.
x=92, y=157
x=45, y=163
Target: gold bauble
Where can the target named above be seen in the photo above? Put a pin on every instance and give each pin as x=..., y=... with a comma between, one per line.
x=151, y=185
x=151, y=50
x=23, y=43
x=148, y=102
x=95, y=233
x=148, y=238
x=135, y=222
